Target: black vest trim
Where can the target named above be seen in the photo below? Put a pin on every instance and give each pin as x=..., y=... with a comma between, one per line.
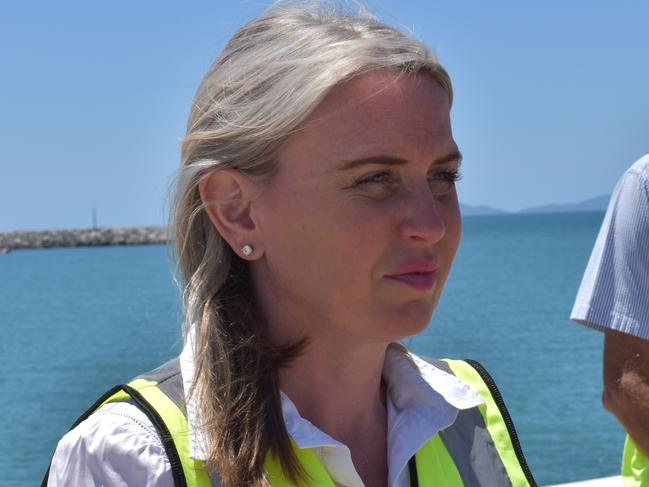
x=412, y=470
x=507, y=419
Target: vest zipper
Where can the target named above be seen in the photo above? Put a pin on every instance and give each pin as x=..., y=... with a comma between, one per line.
x=498, y=399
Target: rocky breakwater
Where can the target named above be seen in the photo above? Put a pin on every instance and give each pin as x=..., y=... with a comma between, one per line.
x=89, y=237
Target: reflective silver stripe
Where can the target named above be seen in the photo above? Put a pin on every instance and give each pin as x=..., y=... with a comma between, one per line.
x=471, y=447
x=169, y=381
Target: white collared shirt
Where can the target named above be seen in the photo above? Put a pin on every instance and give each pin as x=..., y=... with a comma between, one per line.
x=119, y=446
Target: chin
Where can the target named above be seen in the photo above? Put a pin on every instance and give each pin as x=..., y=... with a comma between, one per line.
x=409, y=320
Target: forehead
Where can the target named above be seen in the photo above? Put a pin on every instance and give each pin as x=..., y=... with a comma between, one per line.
x=379, y=92
x=380, y=112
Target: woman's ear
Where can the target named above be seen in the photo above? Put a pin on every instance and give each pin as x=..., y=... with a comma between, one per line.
x=227, y=194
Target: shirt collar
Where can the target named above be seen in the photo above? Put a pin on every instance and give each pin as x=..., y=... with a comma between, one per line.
x=423, y=399
x=197, y=438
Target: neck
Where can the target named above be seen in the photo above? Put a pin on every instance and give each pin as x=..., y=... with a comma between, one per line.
x=335, y=382
x=338, y=391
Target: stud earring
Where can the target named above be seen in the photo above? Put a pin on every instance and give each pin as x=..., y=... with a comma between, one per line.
x=247, y=250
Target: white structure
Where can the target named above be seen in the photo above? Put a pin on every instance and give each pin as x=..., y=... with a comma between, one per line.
x=603, y=482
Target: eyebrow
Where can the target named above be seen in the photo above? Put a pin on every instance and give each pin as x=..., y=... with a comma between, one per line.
x=386, y=160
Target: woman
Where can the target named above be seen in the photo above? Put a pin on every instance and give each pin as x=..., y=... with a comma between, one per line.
x=316, y=221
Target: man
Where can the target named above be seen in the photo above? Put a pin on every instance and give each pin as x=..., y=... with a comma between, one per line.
x=614, y=298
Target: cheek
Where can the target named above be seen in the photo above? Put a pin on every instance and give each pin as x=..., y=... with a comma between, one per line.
x=455, y=229
x=349, y=240
x=453, y=234
x=315, y=236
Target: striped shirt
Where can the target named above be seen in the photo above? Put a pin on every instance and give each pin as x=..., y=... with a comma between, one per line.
x=614, y=292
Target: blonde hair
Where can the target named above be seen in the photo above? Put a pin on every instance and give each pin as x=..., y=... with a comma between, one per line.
x=271, y=75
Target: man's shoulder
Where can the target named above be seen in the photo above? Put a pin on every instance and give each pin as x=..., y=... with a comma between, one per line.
x=632, y=190
x=641, y=167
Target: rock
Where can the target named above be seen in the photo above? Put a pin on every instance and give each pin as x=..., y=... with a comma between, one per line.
x=83, y=237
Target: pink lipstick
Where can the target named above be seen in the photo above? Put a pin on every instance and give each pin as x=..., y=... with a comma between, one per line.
x=418, y=274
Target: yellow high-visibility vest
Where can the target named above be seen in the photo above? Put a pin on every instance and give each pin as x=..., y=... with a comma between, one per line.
x=480, y=448
x=635, y=465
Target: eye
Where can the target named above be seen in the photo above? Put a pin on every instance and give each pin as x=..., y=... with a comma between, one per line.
x=376, y=178
x=443, y=181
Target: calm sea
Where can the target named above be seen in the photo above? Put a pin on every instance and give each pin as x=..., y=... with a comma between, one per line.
x=77, y=321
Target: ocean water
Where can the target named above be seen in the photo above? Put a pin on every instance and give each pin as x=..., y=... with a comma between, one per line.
x=77, y=321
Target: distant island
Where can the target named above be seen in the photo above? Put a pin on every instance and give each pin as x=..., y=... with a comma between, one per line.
x=594, y=204
x=470, y=210
x=598, y=203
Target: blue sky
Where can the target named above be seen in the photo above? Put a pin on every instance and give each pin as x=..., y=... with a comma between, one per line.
x=552, y=98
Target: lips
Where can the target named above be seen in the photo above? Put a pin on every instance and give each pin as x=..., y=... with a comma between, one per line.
x=418, y=274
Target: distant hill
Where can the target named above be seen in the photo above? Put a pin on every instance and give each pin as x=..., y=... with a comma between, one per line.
x=468, y=210
x=598, y=203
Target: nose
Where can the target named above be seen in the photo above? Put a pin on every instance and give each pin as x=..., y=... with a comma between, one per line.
x=422, y=221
